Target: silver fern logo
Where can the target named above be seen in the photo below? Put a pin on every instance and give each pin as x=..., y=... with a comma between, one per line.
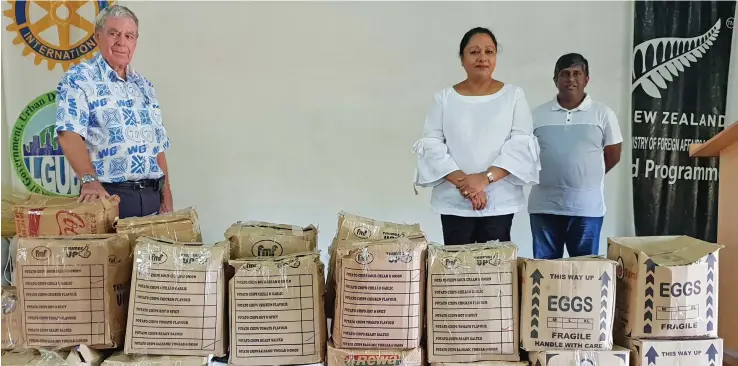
x=676, y=55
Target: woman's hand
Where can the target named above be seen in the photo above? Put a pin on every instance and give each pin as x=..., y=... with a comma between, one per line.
x=479, y=200
x=456, y=177
x=473, y=184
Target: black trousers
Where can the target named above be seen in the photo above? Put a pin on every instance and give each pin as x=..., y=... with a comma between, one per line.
x=135, y=202
x=467, y=230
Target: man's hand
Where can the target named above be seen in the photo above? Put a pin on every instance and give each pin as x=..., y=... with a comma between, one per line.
x=479, y=200
x=456, y=177
x=167, y=203
x=473, y=184
x=92, y=191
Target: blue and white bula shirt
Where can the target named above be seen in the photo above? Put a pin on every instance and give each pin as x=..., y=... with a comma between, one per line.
x=120, y=120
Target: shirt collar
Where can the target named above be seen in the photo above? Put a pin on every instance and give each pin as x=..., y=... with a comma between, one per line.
x=584, y=106
x=108, y=71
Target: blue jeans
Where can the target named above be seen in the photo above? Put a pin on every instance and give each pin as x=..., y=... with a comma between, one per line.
x=581, y=235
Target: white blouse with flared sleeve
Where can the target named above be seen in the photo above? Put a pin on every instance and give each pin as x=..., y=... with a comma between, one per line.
x=472, y=133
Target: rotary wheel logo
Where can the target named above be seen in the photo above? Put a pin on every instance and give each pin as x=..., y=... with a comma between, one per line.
x=60, y=32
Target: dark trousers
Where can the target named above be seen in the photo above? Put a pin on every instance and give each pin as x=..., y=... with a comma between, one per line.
x=135, y=202
x=581, y=235
x=467, y=230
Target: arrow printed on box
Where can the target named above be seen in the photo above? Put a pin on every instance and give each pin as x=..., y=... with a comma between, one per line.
x=605, y=281
x=710, y=291
x=535, y=303
x=648, y=314
x=651, y=356
x=711, y=353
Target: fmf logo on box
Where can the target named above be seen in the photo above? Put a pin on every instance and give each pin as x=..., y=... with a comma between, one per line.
x=373, y=360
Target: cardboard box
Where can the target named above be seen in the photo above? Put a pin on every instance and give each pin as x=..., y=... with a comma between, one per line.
x=667, y=287
x=380, y=298
x=618, y=356
x=177, y=299
x=359, y=229
x=693, y=352
x=47, y=215
x=36, y=357
x=473, y=303
x=74, y=290
x=567, y=303
x=378, y=357
x=181, y=226
x=277, y=310
x=12, y=319
x=121, y=359
x=265, y=239
x=481, y=363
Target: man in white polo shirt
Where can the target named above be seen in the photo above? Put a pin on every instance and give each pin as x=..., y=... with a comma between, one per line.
x=580, y=141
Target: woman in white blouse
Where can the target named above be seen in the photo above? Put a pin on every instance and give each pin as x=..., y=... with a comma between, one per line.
x=478, y=149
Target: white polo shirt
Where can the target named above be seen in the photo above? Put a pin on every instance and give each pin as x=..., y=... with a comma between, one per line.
x=572, y=146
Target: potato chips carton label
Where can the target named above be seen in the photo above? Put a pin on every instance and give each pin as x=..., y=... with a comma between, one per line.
x=74, y=290
x=380, y=295
x=265, y=239
x=177, y=304
x=667, y=287
x=567, y=303
x=276, y=307
x=473, y=303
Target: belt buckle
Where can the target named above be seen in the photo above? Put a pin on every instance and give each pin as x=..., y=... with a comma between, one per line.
x=139, y=185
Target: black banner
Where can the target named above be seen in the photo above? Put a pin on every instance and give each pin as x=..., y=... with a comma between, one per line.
x=681, y=60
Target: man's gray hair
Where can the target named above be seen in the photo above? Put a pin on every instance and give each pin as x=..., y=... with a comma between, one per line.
x=115, y=11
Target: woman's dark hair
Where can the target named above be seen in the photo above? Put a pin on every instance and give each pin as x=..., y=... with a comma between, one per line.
x=571, y=60
x=471, y=33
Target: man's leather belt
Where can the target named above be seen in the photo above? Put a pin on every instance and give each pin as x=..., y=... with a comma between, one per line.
x=156, y=184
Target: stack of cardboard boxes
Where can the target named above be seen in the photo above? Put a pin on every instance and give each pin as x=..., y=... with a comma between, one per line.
x=377, y=282
x=276, y=295
x=567, y=311
x=667, y=297
x=472, y=303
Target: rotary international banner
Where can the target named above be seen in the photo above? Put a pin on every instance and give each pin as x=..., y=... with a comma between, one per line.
x=681, y=61
x=40, y=41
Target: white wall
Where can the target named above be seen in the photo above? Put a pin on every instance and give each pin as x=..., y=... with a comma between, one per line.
x=290, y=112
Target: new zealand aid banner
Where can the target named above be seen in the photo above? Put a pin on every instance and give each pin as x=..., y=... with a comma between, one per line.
x=681, y=60
x=41, y=40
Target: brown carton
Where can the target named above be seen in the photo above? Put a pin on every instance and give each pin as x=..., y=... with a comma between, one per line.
x=47, y=215
x=380, y=288
x=277, y=310
x=265, y=239
x=177, y=304
x=74, y=290
x=667, y=287
x=12, y=319
x=121, y=359
x=379, y=357
x=618, y=356
x=354, y=228
x=481, y=363
x=567, y=303
x=674, y=352
x=181, y=226
x=473, y=303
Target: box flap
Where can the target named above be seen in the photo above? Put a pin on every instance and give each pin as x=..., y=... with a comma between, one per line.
x=668, y=250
